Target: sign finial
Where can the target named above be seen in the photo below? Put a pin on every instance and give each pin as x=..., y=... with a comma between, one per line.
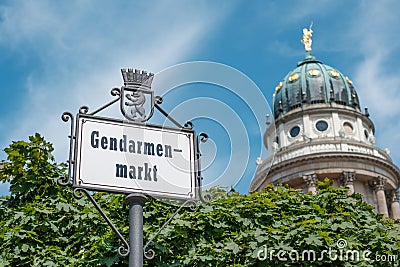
x=307, y=41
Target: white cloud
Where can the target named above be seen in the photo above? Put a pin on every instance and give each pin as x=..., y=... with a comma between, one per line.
x=376, y=76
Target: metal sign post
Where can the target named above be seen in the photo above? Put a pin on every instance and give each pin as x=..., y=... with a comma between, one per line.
x=134, y=158
x=136, y=203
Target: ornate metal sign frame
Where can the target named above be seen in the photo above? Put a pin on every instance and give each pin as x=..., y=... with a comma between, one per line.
x=133, y=97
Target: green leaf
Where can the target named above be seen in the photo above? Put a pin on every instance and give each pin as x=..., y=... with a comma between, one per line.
x=24, y=248
x=232, y=246
x=313, y=239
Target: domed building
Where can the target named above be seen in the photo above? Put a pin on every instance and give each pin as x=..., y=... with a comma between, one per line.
x=320, y=131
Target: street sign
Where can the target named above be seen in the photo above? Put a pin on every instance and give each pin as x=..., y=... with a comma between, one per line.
x=128, y=157
x=134, y=157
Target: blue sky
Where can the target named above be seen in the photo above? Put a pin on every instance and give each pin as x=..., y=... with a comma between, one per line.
x=59, y=55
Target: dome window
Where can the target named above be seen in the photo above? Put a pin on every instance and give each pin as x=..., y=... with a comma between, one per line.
x=294, y=131
x=349, y=81
x=278, y=87
x=366, y=134
x=348, y=128
x=293, y=77
x=321, y=125
x=314, y=73
x=334, y=74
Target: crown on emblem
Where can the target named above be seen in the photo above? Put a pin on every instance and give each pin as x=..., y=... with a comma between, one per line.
x=137, y=78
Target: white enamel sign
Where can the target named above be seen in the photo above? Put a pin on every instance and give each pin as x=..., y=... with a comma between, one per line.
x=114, y=156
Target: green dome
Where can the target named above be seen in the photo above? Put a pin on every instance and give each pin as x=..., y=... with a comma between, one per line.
x=313, y=82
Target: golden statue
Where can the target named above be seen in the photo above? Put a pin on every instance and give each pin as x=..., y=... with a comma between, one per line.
x=306, y=41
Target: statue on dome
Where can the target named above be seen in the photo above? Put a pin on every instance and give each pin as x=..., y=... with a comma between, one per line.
x=307, y=41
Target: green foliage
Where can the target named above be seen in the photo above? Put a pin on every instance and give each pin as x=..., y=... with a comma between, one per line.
x=232, y=230
x=42, y=224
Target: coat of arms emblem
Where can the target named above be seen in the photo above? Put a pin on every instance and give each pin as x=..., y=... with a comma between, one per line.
x=137, y=98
